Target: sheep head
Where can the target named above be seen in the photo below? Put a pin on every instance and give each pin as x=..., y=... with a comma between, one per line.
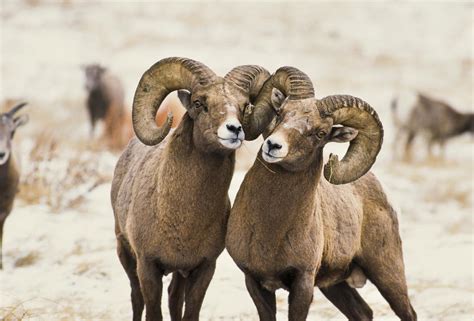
x=305, y=124
x=8, y=125
x=93, y=74
x=215, y=104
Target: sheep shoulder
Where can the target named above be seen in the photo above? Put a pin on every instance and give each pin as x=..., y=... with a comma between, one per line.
x=160, y=201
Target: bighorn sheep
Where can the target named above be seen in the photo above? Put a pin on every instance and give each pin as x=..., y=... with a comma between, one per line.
x=290, y=229
x=9, y=174
x=437, y=120
x=170, y=201
x=106, y=102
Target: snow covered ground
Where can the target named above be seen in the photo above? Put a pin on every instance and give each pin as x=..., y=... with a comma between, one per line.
x=59, y=245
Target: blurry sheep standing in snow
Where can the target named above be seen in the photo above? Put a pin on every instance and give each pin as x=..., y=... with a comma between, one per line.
x=105, y=102
x=433, y=118
x=9, y=174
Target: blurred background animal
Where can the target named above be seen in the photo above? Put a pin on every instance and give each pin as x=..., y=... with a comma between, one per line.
x=9, y=173
x=434, y=119
x=106, y=103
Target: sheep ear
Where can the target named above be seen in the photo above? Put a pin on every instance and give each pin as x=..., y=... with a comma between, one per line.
x=20, y=120
x=277, y=98
x=342, y=134
x=185, y=98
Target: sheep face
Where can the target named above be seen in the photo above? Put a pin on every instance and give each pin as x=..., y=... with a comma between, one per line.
x=93, y=75
x=8, y=126
x=215, y=110
x=300, y=134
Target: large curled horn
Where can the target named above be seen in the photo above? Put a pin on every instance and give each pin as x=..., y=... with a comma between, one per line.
x=292, y=82
x=15, y=109
x=353, y=112
x=249, y=78
x=163, y=77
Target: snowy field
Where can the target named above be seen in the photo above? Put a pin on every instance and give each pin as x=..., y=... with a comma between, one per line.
x=59, y=243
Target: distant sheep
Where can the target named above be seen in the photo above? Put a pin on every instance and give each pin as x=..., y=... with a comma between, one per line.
x=290, y=228
x=434, y=119
x=106, y=102
x=9, y=173
x=170, y=198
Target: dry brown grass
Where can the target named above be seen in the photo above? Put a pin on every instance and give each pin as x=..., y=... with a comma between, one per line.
x=52, y=310
x=27, y=260
x=59, y=177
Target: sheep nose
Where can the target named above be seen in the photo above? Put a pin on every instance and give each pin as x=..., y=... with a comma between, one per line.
x=235, y=129
x=272, y=145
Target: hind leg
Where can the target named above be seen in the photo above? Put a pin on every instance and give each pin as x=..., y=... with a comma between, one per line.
x=130, y=266
x=408, y=146
x=348, y=301
x=382, y=262
x=264, y=300
x=176, y=296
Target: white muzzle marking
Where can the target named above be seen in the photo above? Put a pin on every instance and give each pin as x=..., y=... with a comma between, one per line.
x=274, y=148
x=230, y=133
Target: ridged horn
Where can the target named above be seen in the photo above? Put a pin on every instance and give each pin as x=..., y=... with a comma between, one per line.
x=363, y=150
x=249, y=78
x=292, y=82
x=163, y=77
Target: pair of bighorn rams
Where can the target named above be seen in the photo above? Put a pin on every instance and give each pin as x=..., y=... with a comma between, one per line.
x=9, y=174
x=290, y=228
x=170, y=200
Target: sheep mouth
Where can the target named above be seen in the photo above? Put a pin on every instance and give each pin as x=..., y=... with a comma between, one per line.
x=231, y=143
x=269, y=158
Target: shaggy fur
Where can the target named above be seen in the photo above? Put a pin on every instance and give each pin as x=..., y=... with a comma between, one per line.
x=434, y=119
x=170, y=200
x=9, y=174
x=290, y=228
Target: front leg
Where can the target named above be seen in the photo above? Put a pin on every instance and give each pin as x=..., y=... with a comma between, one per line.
x=301, y=296
x=263, y=299
x=151, y=284
x=195, y=289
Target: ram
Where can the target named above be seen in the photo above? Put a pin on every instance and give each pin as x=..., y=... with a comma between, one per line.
x=434, y=119
x=289, y=228
x=9, y=173
x=170, y=200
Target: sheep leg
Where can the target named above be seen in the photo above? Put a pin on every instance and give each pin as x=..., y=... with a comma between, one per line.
x=151, y=284
x=301, y=296
x=264, y=300
x=348, y=301
x=130, y=266
x=384, y=267
x=408, y=145
x=195, y=289
x=2, y=222
x=176, y=296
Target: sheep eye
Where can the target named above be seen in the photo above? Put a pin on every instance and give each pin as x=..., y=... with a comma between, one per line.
x=321, y=134
x=198, y=104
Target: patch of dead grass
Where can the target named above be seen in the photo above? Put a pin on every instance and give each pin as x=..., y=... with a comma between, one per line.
x=27, y=260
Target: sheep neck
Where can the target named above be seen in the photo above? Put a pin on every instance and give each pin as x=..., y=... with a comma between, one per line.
x=195, y=174
x=289, y=196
